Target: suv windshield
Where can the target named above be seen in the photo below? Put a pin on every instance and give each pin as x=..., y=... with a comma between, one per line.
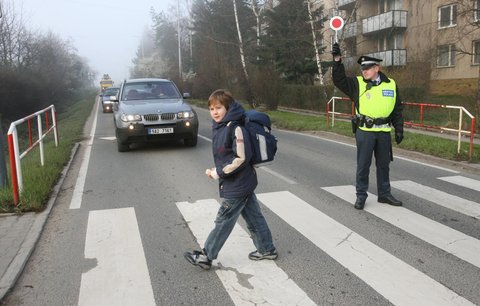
x=150, y=90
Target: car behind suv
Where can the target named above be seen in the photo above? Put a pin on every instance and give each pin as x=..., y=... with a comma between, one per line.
x=151, y=110
x=107, y=99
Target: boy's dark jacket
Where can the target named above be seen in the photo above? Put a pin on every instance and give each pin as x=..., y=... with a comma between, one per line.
x=242, y=180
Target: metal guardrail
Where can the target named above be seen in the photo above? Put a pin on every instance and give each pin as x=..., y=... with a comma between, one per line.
x=458, y=131
x=422, y=106
x=14, y=148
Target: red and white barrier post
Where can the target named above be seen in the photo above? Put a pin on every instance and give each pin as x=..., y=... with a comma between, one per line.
x=14, y=148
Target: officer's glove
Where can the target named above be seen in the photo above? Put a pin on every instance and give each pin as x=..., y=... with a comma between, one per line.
x=398, y=137
x=336, y=50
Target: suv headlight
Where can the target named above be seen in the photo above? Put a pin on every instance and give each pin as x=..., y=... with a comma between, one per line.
x=185, y=115
x=130, y=118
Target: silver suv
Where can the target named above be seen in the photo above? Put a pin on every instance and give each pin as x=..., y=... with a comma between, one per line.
x=151, y=110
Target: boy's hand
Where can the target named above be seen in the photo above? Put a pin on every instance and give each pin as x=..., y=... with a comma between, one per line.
x=212, y=173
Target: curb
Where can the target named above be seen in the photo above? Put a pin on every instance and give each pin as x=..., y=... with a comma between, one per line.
x=17, y=265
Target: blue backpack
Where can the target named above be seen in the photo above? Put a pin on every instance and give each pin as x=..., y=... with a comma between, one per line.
x=264, y=144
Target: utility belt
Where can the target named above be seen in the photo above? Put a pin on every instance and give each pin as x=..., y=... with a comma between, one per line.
x=368, y=122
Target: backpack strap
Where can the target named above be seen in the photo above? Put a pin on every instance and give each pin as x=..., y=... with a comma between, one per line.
x=232, y=125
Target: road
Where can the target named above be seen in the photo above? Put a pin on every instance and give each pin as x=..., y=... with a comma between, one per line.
x=122, y=221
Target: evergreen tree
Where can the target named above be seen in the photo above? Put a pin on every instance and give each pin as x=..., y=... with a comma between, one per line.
x=288, y=42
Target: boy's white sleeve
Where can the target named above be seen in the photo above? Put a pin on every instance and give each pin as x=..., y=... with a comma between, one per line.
x=239, y=148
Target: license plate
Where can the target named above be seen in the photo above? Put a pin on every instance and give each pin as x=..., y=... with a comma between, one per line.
x=156, y=131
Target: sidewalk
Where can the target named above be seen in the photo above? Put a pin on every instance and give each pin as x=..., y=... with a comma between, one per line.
x=19, y=235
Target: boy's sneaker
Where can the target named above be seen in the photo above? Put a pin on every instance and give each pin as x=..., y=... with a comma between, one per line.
x=256, y=255
x=198, y=258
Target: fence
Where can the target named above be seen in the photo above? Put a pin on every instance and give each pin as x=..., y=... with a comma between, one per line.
x=422, y=107
x=459, y=131
x=331, y=112
x=14, y=148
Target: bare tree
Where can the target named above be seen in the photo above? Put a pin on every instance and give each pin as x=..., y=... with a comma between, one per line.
x=250, y=94
x=310, y=4
x=258, y=7
x=469, y=31
x=36, y=69
x=13, y=38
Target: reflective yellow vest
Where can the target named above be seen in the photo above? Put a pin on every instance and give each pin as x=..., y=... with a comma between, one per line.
x=377, y=102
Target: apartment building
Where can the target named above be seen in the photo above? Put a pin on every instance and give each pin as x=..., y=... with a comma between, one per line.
x=434, y=44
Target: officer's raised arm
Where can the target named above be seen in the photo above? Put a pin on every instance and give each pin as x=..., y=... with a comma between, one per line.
x=347, y=85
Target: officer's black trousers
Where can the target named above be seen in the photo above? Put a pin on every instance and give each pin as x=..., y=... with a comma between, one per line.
x=369, y=143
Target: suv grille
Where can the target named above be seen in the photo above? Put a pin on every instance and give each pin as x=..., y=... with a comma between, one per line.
x=155, y=117
x=168, y=116
x=151, y=117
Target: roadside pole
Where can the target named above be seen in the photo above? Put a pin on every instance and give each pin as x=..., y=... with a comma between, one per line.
x=3, y=166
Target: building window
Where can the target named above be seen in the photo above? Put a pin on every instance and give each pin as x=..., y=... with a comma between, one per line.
x=447, y=16
x=476, y=52
x=446, y=56
x=390, y=42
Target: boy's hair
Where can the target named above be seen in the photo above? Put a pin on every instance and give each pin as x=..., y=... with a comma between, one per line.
x=222, y=96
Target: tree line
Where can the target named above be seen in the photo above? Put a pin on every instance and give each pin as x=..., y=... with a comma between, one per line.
x=251, y=47
x=36, y=69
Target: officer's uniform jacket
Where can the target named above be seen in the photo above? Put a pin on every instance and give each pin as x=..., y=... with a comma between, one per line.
x=380, y=101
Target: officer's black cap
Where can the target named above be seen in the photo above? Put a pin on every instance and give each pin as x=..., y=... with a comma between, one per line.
x=367, y=61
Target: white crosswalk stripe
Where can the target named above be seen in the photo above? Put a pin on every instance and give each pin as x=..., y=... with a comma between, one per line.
x=267, y=283
x=462, y=181
x=387, y=274
x=439, y=235
x=439, y=197
x=120, y=275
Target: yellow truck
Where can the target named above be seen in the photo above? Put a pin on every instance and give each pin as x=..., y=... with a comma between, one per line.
x=105, y=82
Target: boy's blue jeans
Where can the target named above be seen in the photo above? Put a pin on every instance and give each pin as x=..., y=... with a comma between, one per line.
x=226, y=218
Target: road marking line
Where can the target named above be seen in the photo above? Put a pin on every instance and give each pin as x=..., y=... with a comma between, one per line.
x=397, y=281
x=247, y=282
x=120, y=276
x=462, y=181
x=428, y=165
x=439, y=197
x=443, y=237
x=108, y=138
x=76, y=201
x=320, y=137
x=278, y=175
x=206, y=138
x=264, y=168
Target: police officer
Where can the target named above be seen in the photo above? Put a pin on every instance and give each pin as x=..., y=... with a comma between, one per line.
x=378, y=108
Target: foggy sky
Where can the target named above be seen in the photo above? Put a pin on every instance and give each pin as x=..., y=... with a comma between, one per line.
x=105, y=32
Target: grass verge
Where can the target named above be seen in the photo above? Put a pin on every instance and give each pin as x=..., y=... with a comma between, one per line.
x=38, y=181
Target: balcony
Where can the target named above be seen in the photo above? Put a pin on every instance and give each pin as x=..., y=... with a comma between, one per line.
x=346, y=4
x=348, y=31
x=394, y=57
x=386, y=21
